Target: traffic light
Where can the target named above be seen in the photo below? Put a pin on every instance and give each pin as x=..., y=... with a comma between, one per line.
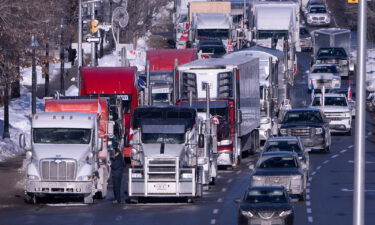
x=94, y=26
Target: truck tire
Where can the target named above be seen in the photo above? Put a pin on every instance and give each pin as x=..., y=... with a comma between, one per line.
x=88, y=199
x=302, y=197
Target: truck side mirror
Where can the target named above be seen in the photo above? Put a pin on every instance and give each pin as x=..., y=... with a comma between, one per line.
x=201, y=141
x=100, y=144
x=22, y=141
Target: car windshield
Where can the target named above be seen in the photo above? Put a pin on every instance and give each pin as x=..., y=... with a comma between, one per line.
x=279, y=162
x=150, y=138
x=265, y=196
x=61, y=136
x=330, y=101
x=278, y=34
x=324, y=69
x=318, y=10
x=303, y=116
x=331, y=52
x=277, y=146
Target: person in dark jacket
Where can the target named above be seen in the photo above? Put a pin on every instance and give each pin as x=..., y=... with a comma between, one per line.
x=117, y=169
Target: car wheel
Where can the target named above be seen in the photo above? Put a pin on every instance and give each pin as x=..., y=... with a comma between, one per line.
x=302, y=197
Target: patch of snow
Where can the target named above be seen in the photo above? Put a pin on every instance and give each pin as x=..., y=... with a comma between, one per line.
x=111, y=60
x=72, y=91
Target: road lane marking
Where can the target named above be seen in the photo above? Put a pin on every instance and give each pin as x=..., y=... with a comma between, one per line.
x=216, y=211
x=325, y=162
x=350, y=146
x=307, y=190
x=343, y=151
x=308, y=197
x=218, y=176
x=334, y=156
x=219, y=200
x=308, y=203
x=238, y=172
x=318, y=168
x=308, y=184
x=223, y=190
x=213, y=221
x=308, y=210
x=66, y=204
x=230, y=180
x=313, y=174
x=310, y=219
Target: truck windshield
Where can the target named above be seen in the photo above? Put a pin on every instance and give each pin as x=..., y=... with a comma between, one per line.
x=279, y=162
x=265, y=196
x=324, y=69
x=330, y=101
x=318, y=10
x=149, y=138
x=303, y=116
x=331, y=52
x=266, y=34
x=61, y=136
x=213, y=34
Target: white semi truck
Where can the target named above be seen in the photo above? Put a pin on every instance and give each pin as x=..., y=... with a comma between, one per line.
x=169, y=158
x=63, y=159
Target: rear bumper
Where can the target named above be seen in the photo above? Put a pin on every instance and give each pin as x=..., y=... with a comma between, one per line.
x=45, y=187
x=225, y=159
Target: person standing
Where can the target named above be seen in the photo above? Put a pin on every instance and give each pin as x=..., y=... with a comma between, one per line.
x=117, y=169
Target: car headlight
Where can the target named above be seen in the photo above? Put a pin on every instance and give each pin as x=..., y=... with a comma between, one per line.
x=318, y=61
x=224, y=142
x=283, y=131
x=137, y=175
x=32, y=177
x=257, y=178
x=328, y=19
x=247, y=213
x=186, y=175
x=285, y=213
x=84, y=178
x=318, y=130
x=343, y=62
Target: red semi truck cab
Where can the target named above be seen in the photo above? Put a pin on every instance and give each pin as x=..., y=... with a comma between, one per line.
x=118, y=83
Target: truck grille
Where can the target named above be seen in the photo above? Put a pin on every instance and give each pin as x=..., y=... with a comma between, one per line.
x=58, y=170
x=278, y=181
x=334, y=115
x=300, y=132
x=162, y=169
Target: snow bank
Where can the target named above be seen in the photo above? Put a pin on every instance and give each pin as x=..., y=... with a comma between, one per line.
x=54, y=70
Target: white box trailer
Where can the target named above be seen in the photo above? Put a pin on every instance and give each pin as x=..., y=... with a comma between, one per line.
x=331, y=37
x=235, y=79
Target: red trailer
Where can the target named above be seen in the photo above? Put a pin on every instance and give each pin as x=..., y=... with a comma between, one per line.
x=120, y=85
x=164, y=59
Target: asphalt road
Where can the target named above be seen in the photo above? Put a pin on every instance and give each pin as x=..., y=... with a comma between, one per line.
x=329, y=197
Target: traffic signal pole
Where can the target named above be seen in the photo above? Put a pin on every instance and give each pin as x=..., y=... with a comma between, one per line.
x=359, y=150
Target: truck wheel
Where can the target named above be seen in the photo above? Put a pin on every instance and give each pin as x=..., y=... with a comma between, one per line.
x=88, y=199
x=302, y=197
x=31, y=199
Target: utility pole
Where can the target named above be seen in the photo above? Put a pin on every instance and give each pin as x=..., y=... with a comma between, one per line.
x=79, y=42
x=359, y=150
x=7, y=88
x=93, y=49
x=46, y=75
x=34, y=45
x=62, y=59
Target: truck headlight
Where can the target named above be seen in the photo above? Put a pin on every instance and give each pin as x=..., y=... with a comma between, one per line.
x=186, y=176
x=84, y=178
x=32, y=177
x=224, y=143
x=247, y=213
x=257, y=178
x=285, y=213
x=283, y=131
x=318, y=130
x=137, y=175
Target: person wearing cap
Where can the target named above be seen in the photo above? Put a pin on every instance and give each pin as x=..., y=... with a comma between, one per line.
x=117, y=169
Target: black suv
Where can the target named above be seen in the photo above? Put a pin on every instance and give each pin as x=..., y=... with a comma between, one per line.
x=310, y=125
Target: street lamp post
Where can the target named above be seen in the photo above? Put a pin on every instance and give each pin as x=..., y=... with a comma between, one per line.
x=34, y=44
x=62, y=59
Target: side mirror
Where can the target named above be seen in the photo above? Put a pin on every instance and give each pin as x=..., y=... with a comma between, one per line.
x=252, y=167
x=29, y=154
x=100, y=144
x=239, y=116
x=201, y=141
x=22, y=141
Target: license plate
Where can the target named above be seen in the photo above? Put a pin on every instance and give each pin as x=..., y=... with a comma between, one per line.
x=266, y=222
x=161, y=187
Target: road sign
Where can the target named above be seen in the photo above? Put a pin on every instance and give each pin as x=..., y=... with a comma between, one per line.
x=93, y=39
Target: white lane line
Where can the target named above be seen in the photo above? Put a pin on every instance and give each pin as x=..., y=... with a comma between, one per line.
x=334, y=156
x=238, y=172
x=310, y=179
x=66, y=204
x=307, y=197
x=308, y=184
x=216, y=211
x=308, y=203
x=218, y=176
x=219, y=200
x=318, y=168
x=310, y=219
x=350, y=190
x=350, y=146
x=325, y=162
x=213, y=221
x=308, y=210
x=223, y=190
x=343, y=151
x=313, y=173
x=229, y=181
x=307, y=190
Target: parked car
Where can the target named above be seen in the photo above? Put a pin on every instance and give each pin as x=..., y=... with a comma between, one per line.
x=323, y=75
x=317, y=15
x=288, y=144
x=280, y=169
x=310, y=125
x=265, y=205
x=305, y=39
x=351, y=99
x=336, y=108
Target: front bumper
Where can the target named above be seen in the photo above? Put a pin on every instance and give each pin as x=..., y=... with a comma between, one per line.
x=317, y=142
x=318, y=22
x=59, y=187
x=343, y=125
x=243, y=220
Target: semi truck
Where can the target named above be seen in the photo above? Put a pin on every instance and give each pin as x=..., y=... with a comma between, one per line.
x=64, y=156
x=234, y=87
x=120, y=85
x=166, y=154
x=332, y=45
x=160, y=68
x=273, y=85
